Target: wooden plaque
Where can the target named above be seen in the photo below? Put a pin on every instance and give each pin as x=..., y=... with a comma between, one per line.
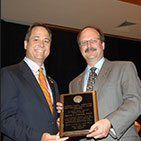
x=80, y=112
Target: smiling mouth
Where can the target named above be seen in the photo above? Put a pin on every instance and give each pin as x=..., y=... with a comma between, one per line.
x=39, y=50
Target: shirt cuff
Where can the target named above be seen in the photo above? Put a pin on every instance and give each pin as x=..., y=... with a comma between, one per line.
x=112, y=132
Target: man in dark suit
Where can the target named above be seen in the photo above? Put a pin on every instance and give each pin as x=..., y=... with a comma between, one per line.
x=118, y=89
x=25, y=112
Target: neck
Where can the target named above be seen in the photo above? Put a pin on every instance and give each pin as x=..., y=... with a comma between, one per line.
x=39, y=63
x=92, y=63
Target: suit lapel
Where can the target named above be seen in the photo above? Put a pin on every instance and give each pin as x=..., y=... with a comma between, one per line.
x=80, y=82
x=101, y=78
x=32, y=83
x=103, y=74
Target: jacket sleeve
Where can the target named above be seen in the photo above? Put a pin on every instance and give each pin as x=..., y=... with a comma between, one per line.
x=11, y=124
x=129, y=110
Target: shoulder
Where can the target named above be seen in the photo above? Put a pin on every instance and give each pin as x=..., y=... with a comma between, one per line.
x=14, y=68
x=121, y=67
x=9, y=69
x=120, y=63
x=78, y=78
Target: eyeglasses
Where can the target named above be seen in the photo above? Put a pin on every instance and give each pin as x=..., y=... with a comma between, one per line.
x=92, y=41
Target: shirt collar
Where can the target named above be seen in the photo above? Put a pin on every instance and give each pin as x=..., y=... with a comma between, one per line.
x=98, y=65
x=33, y=66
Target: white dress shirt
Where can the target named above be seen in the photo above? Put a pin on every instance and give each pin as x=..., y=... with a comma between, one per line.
x=98, y=65
x=35, y=69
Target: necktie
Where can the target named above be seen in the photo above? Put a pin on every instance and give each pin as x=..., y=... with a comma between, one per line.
x=43, y=85
x=91, y=80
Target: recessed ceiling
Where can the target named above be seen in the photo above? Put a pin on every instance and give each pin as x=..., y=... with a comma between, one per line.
x=75, y=14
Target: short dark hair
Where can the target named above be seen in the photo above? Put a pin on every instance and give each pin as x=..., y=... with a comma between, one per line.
x=102, y=37
x=35, y=24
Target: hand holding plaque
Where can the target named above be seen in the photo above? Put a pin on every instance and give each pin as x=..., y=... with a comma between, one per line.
x=80, y=112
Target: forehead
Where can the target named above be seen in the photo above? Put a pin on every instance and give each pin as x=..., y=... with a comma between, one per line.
x=39, y=30
x=88, y=33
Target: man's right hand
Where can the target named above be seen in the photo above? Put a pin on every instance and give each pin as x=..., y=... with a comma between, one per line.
x=48, y=137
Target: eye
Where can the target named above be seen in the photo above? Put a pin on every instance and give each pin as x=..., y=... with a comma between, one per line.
x=35, y=39
x=94, y=40
x=83, y=43
x=47, y=41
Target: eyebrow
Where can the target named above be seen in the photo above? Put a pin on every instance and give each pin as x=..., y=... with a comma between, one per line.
x=34, y=36
x=37, y=36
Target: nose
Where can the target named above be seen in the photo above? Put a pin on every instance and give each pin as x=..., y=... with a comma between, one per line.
x=89, y=44
x=41, y=43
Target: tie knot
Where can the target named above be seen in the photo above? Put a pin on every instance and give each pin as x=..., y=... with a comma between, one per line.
x=41, y=75
x=93, y=69
x=40, y=70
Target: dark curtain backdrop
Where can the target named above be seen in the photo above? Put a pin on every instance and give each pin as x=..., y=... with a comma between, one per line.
x=65, y=61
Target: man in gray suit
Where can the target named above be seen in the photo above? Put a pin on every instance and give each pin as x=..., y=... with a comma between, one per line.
x=118, y=89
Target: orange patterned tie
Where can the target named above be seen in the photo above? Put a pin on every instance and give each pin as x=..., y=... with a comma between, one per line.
x=43, y=85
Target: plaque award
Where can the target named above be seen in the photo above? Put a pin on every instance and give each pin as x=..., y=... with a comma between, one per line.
x=80, y=112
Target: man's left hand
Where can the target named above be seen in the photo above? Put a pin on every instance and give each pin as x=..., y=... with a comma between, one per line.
x=100, y=129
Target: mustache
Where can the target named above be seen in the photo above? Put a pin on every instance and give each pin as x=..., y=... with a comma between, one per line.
x=90, y=49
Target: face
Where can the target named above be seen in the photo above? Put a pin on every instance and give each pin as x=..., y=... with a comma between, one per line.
x=91, y=46
x=38, y=46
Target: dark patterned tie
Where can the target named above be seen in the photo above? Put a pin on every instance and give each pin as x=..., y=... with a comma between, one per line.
x=91, y=80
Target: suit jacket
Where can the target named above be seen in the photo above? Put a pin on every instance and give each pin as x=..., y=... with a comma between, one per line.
x=119, y=95
x=25, y=114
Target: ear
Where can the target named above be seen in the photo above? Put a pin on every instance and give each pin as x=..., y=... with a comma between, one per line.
x=103, y=45
x=25, y=45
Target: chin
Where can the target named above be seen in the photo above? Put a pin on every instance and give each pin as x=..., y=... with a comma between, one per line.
x=91, y=57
